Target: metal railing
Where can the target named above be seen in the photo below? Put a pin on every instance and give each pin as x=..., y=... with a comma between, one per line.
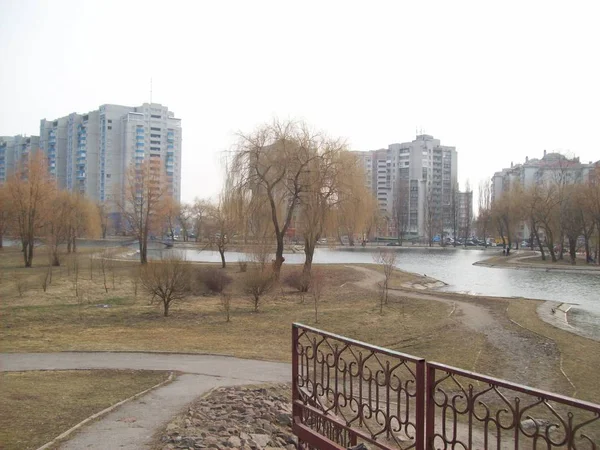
x=468, y=410
x=346, y=391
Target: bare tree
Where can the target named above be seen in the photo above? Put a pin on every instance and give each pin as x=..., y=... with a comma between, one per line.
x=258, y=283
x=484, y=214
x=223, y=222
x=104, y=259
x=103, y=217
x=226, y=305
x=454, y=212
x=5, y=211
x=387, y=259
x=29, y=193
x=400, y=207
x=467, y=217
x=198, y=216
x=325, y=185
x=353, y=213
x=185, y=221
x=140, y=202
x=169, y=210
x=167, y=279
x=273, y=163
x=430, y=216
x=57, y=224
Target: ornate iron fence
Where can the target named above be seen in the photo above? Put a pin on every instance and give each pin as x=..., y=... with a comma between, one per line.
x=467, y=410
x=345, y=391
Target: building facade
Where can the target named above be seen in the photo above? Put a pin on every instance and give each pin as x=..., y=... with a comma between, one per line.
x=15, y=152
x=417, y=177
x=551, y=168
x=91, y=153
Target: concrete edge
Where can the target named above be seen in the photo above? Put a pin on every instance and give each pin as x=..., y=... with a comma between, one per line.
x=104, y=412
x=148, y=352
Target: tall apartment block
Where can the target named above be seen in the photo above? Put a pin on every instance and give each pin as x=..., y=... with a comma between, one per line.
x=90, y=153
x=423, y=169
x=15, y=152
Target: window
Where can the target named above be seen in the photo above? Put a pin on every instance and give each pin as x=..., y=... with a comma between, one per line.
x=155, y=116
x=108, y=175
x=155, y=142
x=154, y=129
x=109, y=127
x=155, y=135
x=155, y=149
x=109, y=120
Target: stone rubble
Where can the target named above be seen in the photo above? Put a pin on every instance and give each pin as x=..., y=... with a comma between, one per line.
x=238, y=417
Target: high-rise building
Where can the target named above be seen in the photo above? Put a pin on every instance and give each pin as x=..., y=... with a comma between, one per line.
x=90, y=153
x=15, y=152
x=417, y=177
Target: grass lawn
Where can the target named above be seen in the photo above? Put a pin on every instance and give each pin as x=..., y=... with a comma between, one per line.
x=38, y=406
x=120, y=319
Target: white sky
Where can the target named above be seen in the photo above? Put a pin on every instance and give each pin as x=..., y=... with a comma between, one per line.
x=498, y=80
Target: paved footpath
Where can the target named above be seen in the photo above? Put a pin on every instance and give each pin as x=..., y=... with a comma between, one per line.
x=132, y=425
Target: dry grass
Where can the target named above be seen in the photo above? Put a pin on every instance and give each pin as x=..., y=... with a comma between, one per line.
x=580, y=356
x=38, y=406
x=53, y=321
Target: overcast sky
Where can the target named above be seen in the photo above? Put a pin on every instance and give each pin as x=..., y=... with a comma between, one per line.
x=498, y=80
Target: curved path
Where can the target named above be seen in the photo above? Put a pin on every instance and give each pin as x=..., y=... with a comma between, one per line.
x=514, y=344
x=132, y=425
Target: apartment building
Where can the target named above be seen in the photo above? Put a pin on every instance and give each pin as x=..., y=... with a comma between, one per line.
x=552, y=167
x=90, y=153
x=422, y=171
x=15, y=152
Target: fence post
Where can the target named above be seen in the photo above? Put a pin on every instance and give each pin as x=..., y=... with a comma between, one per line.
x=420, y=406
x=430, y=408
x=296, y=412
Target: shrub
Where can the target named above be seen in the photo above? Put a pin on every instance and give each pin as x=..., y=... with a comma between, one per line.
x=258, y=283
x=297, y=280
x=216, y=280
x=243, y=265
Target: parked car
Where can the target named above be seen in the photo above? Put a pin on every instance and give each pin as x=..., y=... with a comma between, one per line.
x=393, y=244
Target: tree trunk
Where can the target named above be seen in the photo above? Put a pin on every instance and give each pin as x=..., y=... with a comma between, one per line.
x=69, y=245
x=24, y=250
x=74, y=244
x=55, y=259
x=222, y=253
x=279, y=259
x=573, y=250
x=536, y=237
x=1, y=238
x=143, y=250
x=309, y=252
x=29, y=254
x=166, y=305
x=560, y=246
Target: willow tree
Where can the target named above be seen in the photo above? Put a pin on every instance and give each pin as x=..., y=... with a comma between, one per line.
x=30, y=189
x=355, y=210
x=328, y=182
x=271, y=163
x=140, y=202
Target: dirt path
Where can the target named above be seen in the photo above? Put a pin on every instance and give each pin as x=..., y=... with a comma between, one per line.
x=527, y=357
